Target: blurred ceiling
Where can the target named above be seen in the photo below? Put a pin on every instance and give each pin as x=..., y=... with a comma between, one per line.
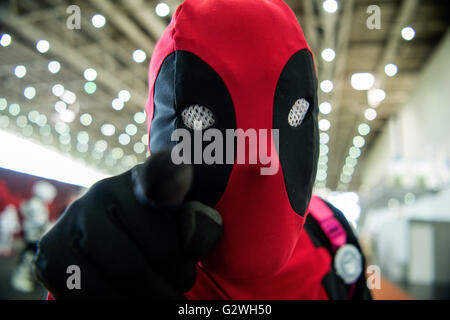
x=134, y=25
x=360, y=49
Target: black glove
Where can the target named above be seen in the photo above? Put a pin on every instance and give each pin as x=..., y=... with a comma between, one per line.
x=131, y=235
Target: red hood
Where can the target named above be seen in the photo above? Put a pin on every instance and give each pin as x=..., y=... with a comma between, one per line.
x=248, y=44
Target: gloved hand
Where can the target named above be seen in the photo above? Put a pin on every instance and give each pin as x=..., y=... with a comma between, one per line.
x=131, y=235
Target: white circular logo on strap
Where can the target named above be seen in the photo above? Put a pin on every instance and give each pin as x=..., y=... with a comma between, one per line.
x=348, y=263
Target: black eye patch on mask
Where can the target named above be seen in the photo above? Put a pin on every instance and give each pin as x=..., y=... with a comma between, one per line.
x=299, y=145
x=185, y=81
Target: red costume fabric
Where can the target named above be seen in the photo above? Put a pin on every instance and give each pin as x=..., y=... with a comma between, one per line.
x=6, y=197
x=263, y=253
x=300, y=278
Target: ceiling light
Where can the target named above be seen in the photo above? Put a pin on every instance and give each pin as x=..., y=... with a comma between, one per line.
x=144, y=139
x=33, y=116
x=124, y=95
x=363, y=129
x=67, y=115
x=21, y=121
x=326, y=86
x=321, y=175
x=323, y=149
x=98, y=20
x=90, y=87
x=358, y=141
x=60, y=106
x=162, y=9
x=42, y=46
x=83, y=137
x=14, y=109
x=375, y=97
x=90, y=74
x=130, y=161
x=3, y=104
x=20, y=71
x=139, y=56
x=29, y=92
x=362, y=81
x=62, y=128
x=69, y=97
x=408, y=33
x=351, y=161
x=5, y=40
x=354, y=152
x=131, y=129
x=64, y=138
x=324, y=124
x=139, y=147
x=45, y=131
x=323, y=159
x=86, y=119
x=27, y=131
x=108, y=129
x=124, y=139
x=390, y=69
x=319, y=185
x=117, y=104
x=325, y=107
x=82, y=147
x=348, y=170
x=330, y=6
x=117, y=153
x=328, y=54
x=346, y=178
x=324, y=138
x=54, y=66
x=101, y=146
x=41, y=120
x=370, y=114
x=96, y=155
x=58, y=90
x=139, y=117
x=4, y=122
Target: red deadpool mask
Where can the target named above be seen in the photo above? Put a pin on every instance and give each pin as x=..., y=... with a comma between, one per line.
x=241, y=64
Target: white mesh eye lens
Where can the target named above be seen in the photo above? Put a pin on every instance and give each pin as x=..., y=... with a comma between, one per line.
x=197, y=117
x=298, y=112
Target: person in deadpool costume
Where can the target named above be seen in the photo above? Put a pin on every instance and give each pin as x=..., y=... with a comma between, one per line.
x=215, y=231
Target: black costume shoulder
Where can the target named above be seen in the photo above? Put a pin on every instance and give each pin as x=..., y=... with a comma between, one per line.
x=332, y=282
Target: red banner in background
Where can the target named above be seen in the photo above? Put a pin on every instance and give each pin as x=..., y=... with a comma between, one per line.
x=17, y=187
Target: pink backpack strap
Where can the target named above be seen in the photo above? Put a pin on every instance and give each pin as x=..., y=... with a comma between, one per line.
x=329, y=224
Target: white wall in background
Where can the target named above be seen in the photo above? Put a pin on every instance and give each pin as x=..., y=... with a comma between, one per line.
x=421, y=266
x=411, y=242
x=417, y=143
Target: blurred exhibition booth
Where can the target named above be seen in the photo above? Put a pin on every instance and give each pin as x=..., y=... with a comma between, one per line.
x=73, y=87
